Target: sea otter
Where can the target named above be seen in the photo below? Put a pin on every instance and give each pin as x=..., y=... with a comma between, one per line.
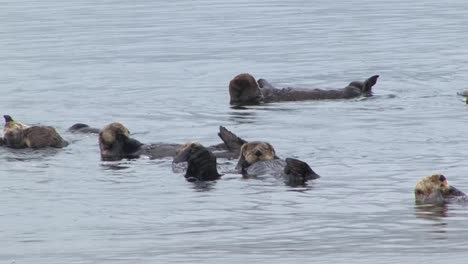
x=259, y=158
x=115, y=143
x=201, y=163
x=83, y=128
x=436, y=190
x=18, y=135
x=244, y=90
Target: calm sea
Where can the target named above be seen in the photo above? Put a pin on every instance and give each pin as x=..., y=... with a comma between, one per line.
x=163, y=67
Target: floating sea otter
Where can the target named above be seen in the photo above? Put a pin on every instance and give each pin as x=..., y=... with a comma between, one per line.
x=259, y=158
x=18, y=135
x=115, y=143
x=436, y=190
x=244, y=90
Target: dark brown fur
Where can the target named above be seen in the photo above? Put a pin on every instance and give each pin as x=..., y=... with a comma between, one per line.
x=17, y=135
x=201, y=162
x=244, y=90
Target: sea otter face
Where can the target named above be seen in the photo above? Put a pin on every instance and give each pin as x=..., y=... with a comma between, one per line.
x=13, y=133
x=244, y=90
x=363, y=88
x=115, y=143
x=254, y=151
x=37, y=137
x=435, y=189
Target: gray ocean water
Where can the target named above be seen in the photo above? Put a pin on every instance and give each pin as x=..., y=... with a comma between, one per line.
x=163, y=67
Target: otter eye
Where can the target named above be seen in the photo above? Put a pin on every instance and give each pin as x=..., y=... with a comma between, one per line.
x=442, y=178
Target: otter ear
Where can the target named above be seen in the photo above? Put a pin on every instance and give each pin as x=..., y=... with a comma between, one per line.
x=7, y=118
x=369, y=83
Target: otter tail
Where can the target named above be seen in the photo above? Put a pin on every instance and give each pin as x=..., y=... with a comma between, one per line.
x=233, y=143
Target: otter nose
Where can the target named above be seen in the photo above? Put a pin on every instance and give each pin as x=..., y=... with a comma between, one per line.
x=258, y=153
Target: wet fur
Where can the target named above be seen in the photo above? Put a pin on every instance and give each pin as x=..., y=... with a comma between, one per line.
x=17, y=135
x=258, y=158
x=435, y=189
x=244, y=90
x=115, y=144
x=254, y=151
x=201, y=162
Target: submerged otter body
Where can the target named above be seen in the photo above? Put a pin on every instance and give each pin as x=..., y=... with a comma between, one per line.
x=436, y=190
x=17, y=135
x=258, y=159
x=115, y=143
x=244, y=90
x=83, y=128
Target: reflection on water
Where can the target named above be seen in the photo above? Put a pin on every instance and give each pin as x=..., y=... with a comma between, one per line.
x=242, y=116
x=115, y=166
x=201, y=186
x=431, y=212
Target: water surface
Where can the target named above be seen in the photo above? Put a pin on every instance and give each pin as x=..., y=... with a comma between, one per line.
x=162, y=68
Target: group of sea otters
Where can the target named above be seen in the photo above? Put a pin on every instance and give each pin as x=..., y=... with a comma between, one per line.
x=256, y=158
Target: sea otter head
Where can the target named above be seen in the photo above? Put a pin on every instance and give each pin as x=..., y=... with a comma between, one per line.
x=365, y=87
x=115, y=143
x=201, y=162
x=244, y=90
x=435, y=190
x=254, y=151
x=13, y=133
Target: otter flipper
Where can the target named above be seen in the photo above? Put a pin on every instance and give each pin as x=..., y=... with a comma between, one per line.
x=232, y=141
x=297, y=171
x=369, y=83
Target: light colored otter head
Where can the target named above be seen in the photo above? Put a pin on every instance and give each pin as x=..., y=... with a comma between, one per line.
x=115, y=143
x=365, y=87
x=435, y=189
x=431, y=188
x=13, y=133
x=244, y=90
x=254, y=151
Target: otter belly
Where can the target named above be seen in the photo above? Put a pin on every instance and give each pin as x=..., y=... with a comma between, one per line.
x=266, y=168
